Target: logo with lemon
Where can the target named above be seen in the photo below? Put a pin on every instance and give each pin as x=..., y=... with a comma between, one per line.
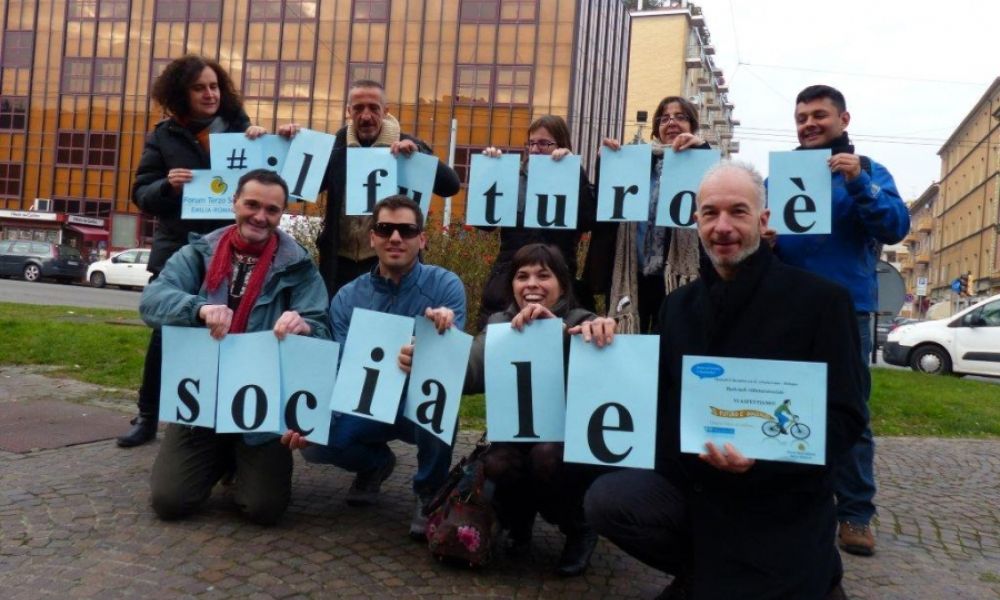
x=218, y=186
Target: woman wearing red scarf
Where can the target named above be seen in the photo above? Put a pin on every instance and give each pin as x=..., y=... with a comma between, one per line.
x=198, y=98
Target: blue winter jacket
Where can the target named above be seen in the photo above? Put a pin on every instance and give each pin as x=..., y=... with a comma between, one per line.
x=426, y=286
x=867, y=212
x=292, y=283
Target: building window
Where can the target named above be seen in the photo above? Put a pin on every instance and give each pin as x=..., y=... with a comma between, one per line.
x=284, y=79
x=13, y=113
x=500, y=84
x=295, y=80
x=463, y=160
x=109, y=76
x=157, y=67
x=513, y=85
x=107, y=10
x=491, y=11
x=259, y=79
x=10, y=180
x=370, y=71
x=17, y=49
x=102, y=150
x=518, y=11
x=283, y=10
x=93, y=76
x=96, y=149
x=474, y=84
x=371, y=10
x=199, y=11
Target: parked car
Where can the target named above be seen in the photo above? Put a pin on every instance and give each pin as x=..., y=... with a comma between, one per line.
x=886, y=324
x=35, y=260
x=125, y=269
x=967, y=343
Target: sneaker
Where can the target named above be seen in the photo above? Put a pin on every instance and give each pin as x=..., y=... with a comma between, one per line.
x=856, y=538
x=418, y=525
x=366, y=486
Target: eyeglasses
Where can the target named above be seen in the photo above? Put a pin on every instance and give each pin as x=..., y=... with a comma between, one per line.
x=407, y=231
x=678, y=118
x=542, y=144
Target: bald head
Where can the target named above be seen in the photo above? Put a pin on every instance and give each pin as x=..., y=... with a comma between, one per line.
x=731, y=214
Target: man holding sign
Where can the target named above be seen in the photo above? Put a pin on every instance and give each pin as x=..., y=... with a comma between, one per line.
x=398, y=285
x=867, y=212
x=344, y=251
x=246, y=277
x=725, y=525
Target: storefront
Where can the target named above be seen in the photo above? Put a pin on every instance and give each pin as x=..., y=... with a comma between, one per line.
x=86, y=234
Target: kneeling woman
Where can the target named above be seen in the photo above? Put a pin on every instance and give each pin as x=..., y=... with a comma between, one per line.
x=531, y=477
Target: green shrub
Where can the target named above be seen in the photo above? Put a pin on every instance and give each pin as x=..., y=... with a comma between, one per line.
x=467, y=252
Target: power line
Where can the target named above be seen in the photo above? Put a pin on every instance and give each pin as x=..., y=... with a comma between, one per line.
x=873, y=75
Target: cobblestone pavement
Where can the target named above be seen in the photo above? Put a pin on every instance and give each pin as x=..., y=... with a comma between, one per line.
x=75, y=522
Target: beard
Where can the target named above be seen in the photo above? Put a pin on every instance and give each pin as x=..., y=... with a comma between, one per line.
x=731, y=262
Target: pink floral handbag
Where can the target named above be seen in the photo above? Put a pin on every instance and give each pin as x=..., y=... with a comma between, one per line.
x=461, y=523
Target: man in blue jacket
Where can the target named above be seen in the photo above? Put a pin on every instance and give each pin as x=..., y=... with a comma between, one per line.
x=867, y=212
x=398, y=284
x=246, y=277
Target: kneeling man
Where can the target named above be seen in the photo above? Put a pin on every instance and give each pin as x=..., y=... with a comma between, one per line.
x=246, y=277
x=727, y=526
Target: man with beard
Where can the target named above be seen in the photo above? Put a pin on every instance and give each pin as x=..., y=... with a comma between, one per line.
x=344, y=251
x=867, y=212
x=724, y=525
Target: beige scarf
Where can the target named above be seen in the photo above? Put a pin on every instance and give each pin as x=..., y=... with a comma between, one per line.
x=354, y=230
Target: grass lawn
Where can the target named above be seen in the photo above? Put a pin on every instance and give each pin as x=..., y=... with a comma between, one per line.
x=107, y=348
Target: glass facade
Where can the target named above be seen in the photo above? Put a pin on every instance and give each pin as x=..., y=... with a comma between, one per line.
x=75, y=78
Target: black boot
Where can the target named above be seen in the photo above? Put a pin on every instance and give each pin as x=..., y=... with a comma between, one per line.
x=143, y=430
x=575, y=557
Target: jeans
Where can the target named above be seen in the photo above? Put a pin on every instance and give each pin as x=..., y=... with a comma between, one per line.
x=360, y=445
x=854, y=478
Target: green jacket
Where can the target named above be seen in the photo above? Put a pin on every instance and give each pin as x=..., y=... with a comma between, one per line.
x=292, y=283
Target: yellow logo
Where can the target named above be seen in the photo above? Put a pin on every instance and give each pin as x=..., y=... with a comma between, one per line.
x=218, y=185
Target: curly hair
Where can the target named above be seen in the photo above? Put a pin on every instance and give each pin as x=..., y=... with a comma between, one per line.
x=170, y=90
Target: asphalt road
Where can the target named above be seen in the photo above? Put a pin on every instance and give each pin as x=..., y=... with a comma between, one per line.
x=60, y=294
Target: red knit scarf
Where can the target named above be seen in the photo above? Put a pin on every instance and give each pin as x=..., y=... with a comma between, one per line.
x=221, y=267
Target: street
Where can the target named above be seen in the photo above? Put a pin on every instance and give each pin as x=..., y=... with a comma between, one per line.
x=59, y=294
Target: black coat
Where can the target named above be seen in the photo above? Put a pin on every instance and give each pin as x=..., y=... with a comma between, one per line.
x=769, y=532
x=335, y=181
x=172, y=146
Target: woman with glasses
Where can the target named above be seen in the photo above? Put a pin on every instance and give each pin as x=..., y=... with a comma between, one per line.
x=637, y=264
x=548, y=135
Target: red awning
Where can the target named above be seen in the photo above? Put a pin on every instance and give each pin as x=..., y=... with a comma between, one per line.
x=89, y=233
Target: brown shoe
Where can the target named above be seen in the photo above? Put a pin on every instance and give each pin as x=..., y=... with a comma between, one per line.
x=856, y=539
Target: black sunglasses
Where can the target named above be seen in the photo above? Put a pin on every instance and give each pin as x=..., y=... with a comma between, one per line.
x=406, y=230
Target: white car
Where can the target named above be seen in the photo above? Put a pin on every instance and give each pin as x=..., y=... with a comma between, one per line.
x=125, y=269
x=967, y=343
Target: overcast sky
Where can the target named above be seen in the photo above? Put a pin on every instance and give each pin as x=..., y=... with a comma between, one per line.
x=911, y=71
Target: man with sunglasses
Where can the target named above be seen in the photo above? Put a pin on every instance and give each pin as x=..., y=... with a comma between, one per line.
x=344, y=252
x=398, y=284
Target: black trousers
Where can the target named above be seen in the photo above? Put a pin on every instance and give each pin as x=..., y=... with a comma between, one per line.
x=193, y=459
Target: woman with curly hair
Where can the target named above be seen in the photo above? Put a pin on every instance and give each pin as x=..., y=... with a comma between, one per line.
x=199, y=99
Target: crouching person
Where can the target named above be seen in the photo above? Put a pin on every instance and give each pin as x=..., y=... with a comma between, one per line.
x=724, y=525
x=242, y=278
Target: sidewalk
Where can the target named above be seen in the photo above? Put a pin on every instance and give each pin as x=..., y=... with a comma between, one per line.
x=75, y=522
